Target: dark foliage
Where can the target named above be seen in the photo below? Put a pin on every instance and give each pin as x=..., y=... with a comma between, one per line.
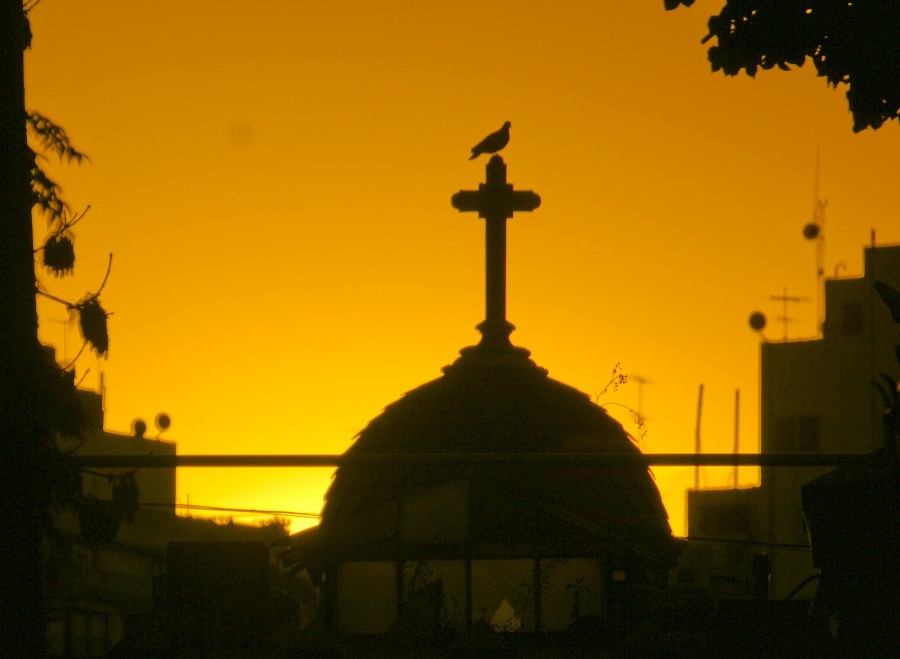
x=891, y=297
x=92, y=321
x=65, y=484
x=59, y=255
x=100, y=519
x=26, y=31
x=52, y=137
x=97, y=521
x=53, y=405
x=851, y=43
x=46, y=194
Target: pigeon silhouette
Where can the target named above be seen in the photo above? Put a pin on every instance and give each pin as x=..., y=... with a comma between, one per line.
x=493, y=142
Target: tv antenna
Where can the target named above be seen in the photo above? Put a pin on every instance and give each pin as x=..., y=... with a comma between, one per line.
x=65, y=336
x=785, y=299
x=641, y=381
x=815, y=230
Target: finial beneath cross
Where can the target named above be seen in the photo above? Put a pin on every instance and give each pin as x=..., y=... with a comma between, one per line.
x=496, y=201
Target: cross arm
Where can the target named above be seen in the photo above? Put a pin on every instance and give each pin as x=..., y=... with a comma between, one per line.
x=491, y=202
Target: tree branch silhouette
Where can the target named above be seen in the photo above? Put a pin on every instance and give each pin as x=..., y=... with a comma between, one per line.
x=38, y=400
x=849, y=43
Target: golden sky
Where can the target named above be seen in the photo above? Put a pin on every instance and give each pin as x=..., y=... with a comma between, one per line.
x=274, y=181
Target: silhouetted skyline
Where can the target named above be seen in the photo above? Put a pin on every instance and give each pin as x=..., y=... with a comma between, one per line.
x=287, y=261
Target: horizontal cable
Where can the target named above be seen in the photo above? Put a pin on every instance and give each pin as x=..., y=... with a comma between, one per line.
x=536, y=459
x=248, y=511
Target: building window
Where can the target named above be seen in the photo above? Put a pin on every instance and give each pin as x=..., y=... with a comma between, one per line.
x=798, y=434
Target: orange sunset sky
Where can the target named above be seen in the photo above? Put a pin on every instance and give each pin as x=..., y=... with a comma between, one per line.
x=274, y=180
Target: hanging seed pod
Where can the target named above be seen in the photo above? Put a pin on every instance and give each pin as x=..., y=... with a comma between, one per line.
x=59, y=255
x=92, y=321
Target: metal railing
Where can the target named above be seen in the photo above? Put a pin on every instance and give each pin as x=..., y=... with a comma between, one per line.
x=539, y=459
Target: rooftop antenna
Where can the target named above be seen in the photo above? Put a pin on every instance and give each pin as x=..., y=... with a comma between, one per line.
x=641, y=381
x=65, y=337
x=815, y=230
x=737, y=437
x=697, y=446
x=784, y=299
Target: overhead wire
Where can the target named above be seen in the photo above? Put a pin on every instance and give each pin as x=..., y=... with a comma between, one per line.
x=249, y=511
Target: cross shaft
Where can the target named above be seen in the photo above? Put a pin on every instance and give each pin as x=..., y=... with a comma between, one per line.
x=495, y=201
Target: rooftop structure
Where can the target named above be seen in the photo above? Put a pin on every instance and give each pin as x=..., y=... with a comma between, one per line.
x=817, y=396
x=525, y=549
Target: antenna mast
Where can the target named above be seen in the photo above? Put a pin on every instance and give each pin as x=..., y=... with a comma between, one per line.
x=815, y=230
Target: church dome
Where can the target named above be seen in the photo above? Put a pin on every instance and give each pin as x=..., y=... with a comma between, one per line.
x=496, y=402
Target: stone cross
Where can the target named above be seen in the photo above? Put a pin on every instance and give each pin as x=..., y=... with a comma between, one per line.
x=496, y=201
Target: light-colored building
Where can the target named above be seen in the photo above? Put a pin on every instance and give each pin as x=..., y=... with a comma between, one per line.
x=723, y=525
x=818, y=396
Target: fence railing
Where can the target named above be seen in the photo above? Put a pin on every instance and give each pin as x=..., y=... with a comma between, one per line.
x=538, y=459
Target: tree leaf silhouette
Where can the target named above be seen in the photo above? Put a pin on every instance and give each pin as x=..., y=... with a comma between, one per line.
x=52, y=137
x=47, y=195
x=890, y=297
x=97, y=521
x=851, y=43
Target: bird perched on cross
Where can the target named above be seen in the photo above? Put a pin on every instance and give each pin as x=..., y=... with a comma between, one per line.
x=493, y=142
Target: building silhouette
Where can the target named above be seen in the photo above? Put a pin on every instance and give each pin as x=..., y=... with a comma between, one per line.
x=100, y=576
x=448, y=548
x=816, y=396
